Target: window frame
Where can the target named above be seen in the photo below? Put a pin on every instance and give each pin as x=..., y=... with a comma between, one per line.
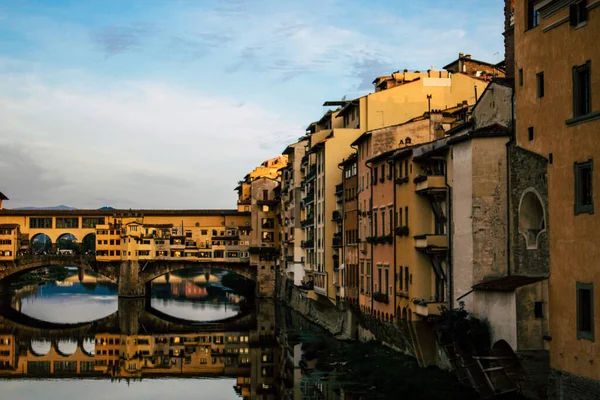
x=587, y=335
x=539, y=79
x=580, y=208
x=577, y=70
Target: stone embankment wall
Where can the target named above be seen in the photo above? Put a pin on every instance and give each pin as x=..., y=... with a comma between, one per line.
x=415, y=339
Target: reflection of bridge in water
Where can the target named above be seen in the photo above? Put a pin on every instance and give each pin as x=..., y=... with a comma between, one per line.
x=139, y=341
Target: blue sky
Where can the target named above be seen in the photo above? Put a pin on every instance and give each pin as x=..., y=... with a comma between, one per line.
x=168, y=103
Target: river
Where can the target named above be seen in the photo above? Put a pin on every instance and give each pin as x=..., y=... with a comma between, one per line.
x=64, y=334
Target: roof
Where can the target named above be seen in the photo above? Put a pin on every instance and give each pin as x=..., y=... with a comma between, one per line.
x=508, y=283
x=317, y=146
x=381, y=156
x=403, y=152
x=9, y=226
x=347, y=107
x=349, y=160
x=123, y=213
x=3, y=197
x=360, y=138
x=159, y=226
x=469, y=59
x=335, y=103
x=495, y=130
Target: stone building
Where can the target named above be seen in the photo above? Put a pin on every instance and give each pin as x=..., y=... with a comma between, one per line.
x=557, y=113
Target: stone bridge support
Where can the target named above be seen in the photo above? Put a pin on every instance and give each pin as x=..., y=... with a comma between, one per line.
x=130, y=282
x=4, y=288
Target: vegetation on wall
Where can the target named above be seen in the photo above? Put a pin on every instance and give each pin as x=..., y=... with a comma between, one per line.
x=457, y=326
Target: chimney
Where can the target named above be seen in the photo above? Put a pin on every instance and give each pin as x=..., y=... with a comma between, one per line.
x=468, y=56
x=461, y=55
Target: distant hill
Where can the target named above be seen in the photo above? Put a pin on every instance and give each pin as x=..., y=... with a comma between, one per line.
x=61, y=207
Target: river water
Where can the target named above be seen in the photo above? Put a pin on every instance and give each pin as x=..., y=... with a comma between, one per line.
x=64, y=334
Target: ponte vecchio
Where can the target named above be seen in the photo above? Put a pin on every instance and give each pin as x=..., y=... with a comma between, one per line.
x=133, y=247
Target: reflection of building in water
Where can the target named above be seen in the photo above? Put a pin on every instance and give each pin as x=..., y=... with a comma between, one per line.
x=189, y=290
x=249, y=354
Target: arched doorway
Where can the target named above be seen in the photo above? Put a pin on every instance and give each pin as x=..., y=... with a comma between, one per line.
x=531, y=218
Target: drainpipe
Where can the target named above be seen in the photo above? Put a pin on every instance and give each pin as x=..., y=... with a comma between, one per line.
x=371, y=230
x=511, y=140
x=449, y=227
x=393, y=228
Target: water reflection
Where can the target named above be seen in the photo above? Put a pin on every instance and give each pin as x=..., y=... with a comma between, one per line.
x=231, y=347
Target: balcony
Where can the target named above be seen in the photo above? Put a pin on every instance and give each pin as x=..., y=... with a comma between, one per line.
x=246, y=202
x=309, y=199
x=267, y=202
x=339, y=189
x=426, y=309
x=312, y=174
x=337, y=216
x=320, y=279
x=400, y=181
x=309, y=221
x=381, y=297
x=336, y=242
x=431, y=242
x=401, y=231
x=289, y=258
x=434, y=184
x=307, y=244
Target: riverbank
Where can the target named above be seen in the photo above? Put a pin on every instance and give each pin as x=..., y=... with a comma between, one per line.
x=360, y=369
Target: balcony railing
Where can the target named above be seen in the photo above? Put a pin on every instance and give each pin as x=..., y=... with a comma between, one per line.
x=337, y=216
x=312, y=173
x=310, y=198
x=336, y=242
x=320, y=279
x=401, y=230
x=307, y=244
x=426, y=184
x=339, y=189
x=431, y=242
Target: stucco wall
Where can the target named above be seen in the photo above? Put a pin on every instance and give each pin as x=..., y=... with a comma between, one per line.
x=499, y=308
x=462, y=227
x=489, y=208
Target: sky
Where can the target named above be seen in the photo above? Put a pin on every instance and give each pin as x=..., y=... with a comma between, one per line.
x=168, y=103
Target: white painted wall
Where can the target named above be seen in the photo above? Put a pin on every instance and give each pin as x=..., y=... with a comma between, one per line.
x=499, y=308
x=462, y=203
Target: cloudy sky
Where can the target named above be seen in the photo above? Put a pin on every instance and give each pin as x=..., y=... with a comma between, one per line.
x=168, y=103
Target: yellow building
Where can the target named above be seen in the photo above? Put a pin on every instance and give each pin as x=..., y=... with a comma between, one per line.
x=557, y=85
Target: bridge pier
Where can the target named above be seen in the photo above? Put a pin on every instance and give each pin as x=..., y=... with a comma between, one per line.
x=130, y=310
x=130, y=284
x=4, y=288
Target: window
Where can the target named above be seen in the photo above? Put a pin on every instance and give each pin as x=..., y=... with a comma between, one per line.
x=540, y=84
x=585, y=311
x=584, y=200
x=382, y=222
x=91, y=222
x=581, y=90
x=374, y=180
x=268, y=223
x=40, y=222
x=538, y=309
x=533, y=15
x=520, y=76
x=406, y=278
x=530, y=133
x=578, y=13
x=399, y=278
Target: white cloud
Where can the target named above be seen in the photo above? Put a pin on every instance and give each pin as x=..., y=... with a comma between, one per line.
x=153, y=144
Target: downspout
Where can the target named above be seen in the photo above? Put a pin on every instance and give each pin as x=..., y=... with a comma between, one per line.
x=393, y=228
x=371, y=230
x=511, y=141
x=450, y=253
x=343, y=215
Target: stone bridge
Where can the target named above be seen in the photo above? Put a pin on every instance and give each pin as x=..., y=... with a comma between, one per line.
x=133, y=276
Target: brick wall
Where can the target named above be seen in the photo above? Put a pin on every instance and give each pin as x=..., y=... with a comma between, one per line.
x=565, y=386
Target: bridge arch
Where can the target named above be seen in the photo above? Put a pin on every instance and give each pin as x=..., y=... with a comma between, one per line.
x=41, y=244
x=67, y=242
x=151, y=271
x=88, y=244
x=66, y=347
x=40, y=347
x=30, y=263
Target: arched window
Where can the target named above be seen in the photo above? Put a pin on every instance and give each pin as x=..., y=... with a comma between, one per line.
x=531, y=218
